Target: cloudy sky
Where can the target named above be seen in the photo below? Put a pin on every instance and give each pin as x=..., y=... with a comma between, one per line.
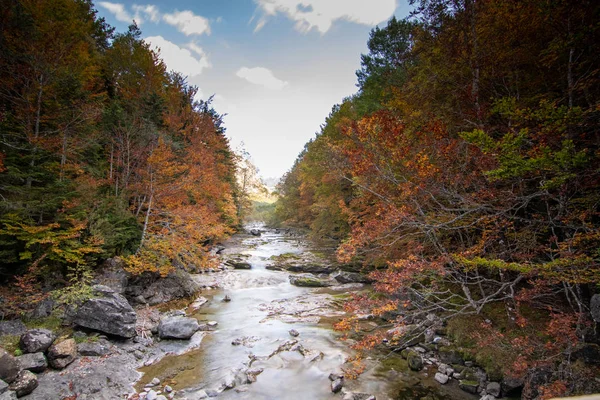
x=275, y=67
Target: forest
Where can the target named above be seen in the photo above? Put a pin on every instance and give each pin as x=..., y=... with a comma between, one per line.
x=103, y=153
x=464, y=174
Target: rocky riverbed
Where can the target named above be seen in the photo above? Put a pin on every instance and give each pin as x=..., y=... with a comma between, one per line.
x=257, y=327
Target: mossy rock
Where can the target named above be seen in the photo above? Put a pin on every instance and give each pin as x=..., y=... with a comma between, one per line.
x=404, y=353
x=458, y=368
x=469, y=386
x=395, y=363
x=451, y=355
x=305, y=281
x=415, y=361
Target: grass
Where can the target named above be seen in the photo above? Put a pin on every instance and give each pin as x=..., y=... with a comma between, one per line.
x=10, y=343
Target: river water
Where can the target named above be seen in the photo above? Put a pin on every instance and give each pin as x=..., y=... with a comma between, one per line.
x=264, y=307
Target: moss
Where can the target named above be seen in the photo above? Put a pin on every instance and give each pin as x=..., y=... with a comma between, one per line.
x=10, y=343
x=395, y=363
x=53, y=323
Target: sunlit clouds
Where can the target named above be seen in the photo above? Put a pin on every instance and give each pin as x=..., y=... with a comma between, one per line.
x=321, y=14
x=261, y=76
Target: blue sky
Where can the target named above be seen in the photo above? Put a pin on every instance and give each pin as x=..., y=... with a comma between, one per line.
x=276, y=67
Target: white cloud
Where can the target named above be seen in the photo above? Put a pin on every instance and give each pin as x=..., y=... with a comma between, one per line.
x=148, y=11
x=196, y=49
x=188, y=23
x=177, y=58
x=118, y=10
x=261, y=76
x=321, y=14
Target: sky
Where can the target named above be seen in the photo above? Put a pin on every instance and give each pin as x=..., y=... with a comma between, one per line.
x=274, y=67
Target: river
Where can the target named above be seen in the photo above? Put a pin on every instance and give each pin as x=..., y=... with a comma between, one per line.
x=253, y=333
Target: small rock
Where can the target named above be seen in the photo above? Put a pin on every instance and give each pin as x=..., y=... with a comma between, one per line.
x=34, y=362
x=493, y=388
x=441, y=378
x=62, y=354
x=9, y=367
x=335, y=375
x=161, y=397
x=294, y=333
x=487, y=397
x=168, y=389
x=212, y=324
x=36, y=340
x=138, y=354
x=200, y=395
x=419, y=349
x=337, y=385
x=25, y=383
x=152, y=395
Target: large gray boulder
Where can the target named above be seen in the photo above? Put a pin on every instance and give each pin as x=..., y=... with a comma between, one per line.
x=25, y=383
x=34, y=362
x=177, y=327
x=36, y=340
x=109, y=313
x=62, y=353
x=153, y=289
x=9, y=367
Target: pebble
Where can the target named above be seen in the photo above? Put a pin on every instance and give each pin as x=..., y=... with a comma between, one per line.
x=168, y=389
x=152, y=395
x=441, y=378
x=294, y=333
x=212, y=323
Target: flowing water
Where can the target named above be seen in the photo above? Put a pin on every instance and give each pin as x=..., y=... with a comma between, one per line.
x=264, y=307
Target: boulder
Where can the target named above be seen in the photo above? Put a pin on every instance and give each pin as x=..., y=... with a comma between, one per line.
x=415, y=361
x=43, y=309
x=113, y=275
x=62, y=353
x=9, y=395
x=469, y=386
x=34, y=362
x=12, y=327
x=3, y=387
x=25, y=383
x=595, y=307
x=94, y=349
x=157, y=290
x=493, y=388
x=588, y=352
x=512, y=387
x=450, y=355
x=236, y=264
x=9, y=367
x=36, y=340
x=350, y=277
x=337, y=385
x=177, y=327
x=307, y=280
x=108, y=312
x=441, y=378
